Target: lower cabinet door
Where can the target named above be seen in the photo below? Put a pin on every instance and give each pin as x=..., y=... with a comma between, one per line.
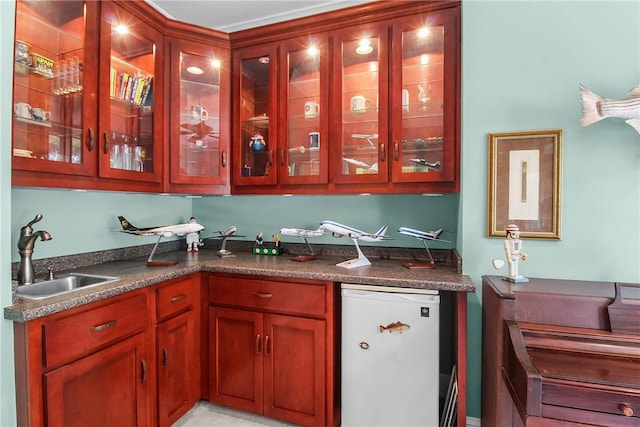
x=177, y=371
x=235, y=358
x=108, y=388
x=295, y=369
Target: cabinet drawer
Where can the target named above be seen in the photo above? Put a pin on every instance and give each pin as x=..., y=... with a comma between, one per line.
x=68, y=338
x=284, y=297
x=177, y=296
x=591, y=402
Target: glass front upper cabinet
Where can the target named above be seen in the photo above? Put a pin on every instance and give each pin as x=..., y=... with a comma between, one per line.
x=256, y=142
x=362, y=104
x=51, y=132
x=304, y=157
x=130, y=92
x=423, y=115
x=198, y=136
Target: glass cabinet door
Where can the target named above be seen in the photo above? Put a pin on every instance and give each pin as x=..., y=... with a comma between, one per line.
x=423, y=115
x=257, y=138
x=130, y=90
x=50, y=129
x=362, y=104
x=304, y=156
x=198, y=138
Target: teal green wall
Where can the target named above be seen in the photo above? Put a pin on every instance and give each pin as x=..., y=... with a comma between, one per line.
x=522, y=62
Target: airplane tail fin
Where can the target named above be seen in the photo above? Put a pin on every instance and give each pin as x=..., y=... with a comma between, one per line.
x=380, y=233
x=437, y=232
x=126, y=225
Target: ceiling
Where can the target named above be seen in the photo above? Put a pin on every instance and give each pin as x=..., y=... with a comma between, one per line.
x=235, y=15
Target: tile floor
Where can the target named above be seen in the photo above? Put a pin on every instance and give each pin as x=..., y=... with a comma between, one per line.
x=205, y=414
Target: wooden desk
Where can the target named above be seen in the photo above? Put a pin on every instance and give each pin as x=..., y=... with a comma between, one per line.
x=550, y=359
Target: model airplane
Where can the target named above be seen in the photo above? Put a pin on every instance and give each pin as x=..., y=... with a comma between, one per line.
x=340, y=230
x=160, y=231
x=304, y=234
x=423, y=236
x=422, y=162
x=363, y=165
x=224, y=235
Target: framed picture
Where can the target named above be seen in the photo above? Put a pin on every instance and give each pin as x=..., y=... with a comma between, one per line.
x=525, y=175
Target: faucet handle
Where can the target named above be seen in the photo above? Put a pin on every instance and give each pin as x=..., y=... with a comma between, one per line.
x=36, y=219
x=50, y=274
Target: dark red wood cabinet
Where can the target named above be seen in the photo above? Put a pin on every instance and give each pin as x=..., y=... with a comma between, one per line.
x=550, y=357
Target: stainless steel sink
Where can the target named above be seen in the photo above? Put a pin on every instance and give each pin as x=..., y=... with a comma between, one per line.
x=62, y=285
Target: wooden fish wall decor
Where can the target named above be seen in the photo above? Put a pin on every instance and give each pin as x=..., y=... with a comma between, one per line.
x=596, y=108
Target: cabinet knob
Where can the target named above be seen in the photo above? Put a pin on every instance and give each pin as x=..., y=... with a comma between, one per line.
x=626, y=410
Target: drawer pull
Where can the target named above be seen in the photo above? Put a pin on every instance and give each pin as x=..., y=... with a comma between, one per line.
x=104, y=326
x=258, y=344
x=165, y=357
x=178, y=297
x=627, y=411
x=143, y=368
x=263, y=295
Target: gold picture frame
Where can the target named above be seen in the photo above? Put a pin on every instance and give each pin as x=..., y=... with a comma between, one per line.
x=524, y=185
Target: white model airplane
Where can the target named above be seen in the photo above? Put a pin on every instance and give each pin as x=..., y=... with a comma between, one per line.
x=304, y=234
x=224, y=235
x=160, y=231
x=422, y=162
x=339, y=230
x=423, y=236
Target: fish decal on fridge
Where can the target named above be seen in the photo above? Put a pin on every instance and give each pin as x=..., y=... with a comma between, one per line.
x=395, y=327
x=596, y=108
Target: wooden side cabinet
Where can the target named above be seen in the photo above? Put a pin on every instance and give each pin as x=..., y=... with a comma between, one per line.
x=272, y=348
x=86, y=364
x=177, y=347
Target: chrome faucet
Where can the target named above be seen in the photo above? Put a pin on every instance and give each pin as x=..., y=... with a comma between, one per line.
x=27, y=241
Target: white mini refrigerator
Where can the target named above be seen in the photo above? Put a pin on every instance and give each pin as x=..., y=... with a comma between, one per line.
x=390, y=357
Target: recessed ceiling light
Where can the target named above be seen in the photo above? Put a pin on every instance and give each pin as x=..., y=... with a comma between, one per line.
x=194, y=70
x=364, y=47
x=216, y=63
x=263, y=60
x=122, y=29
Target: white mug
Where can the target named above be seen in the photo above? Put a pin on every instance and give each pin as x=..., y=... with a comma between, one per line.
x=199, y=113
x=22, y=109
x=314, y=139
x=359, y=103
x=40, y=114
x=311, y=109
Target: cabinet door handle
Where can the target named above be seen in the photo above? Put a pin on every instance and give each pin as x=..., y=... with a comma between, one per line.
x=263, y=295
x=626, y=410
x=382, y=152
x=396, y=151
x=258, y=344
x=223, y=159
x=106, y=143
x=282, y=157
x=179, y=297
x=271, y=157
x=165, y=357
x=92, y=140
x=143, y=370
x=102, y=327
x=266, y=345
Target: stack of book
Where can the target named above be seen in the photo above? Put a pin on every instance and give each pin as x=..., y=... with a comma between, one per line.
x=134, y=89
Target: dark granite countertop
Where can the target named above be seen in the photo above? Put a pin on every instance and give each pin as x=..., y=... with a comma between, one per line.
x=134, y=274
